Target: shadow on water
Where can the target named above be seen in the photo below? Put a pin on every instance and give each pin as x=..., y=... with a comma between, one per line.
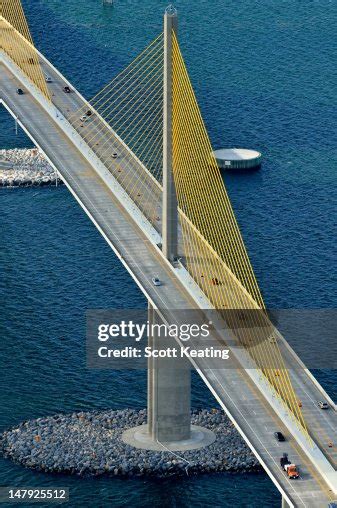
x=241, y=171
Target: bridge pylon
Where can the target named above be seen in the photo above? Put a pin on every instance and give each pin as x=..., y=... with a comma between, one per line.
x=170, y=206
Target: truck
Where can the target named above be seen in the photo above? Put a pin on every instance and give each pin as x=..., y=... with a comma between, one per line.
x=289, y=467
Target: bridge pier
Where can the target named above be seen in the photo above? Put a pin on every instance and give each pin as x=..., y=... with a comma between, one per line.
x=169, y=403
x=169, y=389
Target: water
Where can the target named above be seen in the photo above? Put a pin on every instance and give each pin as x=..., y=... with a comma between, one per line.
x=265, y=77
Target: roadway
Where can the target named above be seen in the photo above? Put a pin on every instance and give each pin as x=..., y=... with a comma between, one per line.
x=233, y=388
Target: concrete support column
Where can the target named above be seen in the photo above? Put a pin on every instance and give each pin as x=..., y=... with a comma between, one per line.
x=150, y=374
x=170, y=210
x=168, y=402
x=169, y=391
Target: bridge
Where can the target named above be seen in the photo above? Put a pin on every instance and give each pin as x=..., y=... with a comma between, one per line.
x=141, y=167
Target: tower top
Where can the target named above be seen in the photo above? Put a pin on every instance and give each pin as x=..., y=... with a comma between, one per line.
x=171, y=10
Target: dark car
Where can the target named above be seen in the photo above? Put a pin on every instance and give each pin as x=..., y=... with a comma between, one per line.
x=279, y=436
x=19, y=91
x=66, y=89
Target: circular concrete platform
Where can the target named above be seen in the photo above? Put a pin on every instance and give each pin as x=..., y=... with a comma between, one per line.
x=237, y=158
x=139, y=437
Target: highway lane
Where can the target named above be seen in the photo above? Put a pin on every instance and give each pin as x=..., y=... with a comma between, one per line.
x=232, y=385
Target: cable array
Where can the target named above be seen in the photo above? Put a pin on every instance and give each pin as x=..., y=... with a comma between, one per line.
x=125, y=128
x=215, y=254
x=16, y=41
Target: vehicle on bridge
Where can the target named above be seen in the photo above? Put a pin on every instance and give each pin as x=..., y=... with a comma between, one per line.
x=279, y=436
x=322, y=405
x=19, y=91
x=288, y=467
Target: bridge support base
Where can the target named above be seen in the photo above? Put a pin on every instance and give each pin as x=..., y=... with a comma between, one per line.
x=169, y=412
x=139, y=437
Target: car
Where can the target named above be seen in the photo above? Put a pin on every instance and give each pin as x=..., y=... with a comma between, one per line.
x=89, y=113
x=19, y=91
x=114, y=155
x=48, y=79
x=156, y=281
x=83, y=118
x=272, y=339
x=279, y=436
x=322, y=404
x=66, y=89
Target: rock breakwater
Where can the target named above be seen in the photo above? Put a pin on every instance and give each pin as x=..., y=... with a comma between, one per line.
x=25, y=167
x=89, y=443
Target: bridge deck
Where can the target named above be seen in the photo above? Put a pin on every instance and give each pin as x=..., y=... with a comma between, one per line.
x=232, y=386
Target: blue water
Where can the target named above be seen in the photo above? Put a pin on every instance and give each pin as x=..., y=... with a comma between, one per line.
x=264, y=72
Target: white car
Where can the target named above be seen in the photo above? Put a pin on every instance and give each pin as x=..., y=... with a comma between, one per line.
x=83, y=118
x=323, y=405
x=272, y=339
x=48, y=79
x=114, y=155
x=156, y=281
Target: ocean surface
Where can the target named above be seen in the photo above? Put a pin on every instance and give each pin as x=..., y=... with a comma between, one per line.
x=265, y=76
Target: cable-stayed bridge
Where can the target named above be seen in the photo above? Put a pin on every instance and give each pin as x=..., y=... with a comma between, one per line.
x=141, y=166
